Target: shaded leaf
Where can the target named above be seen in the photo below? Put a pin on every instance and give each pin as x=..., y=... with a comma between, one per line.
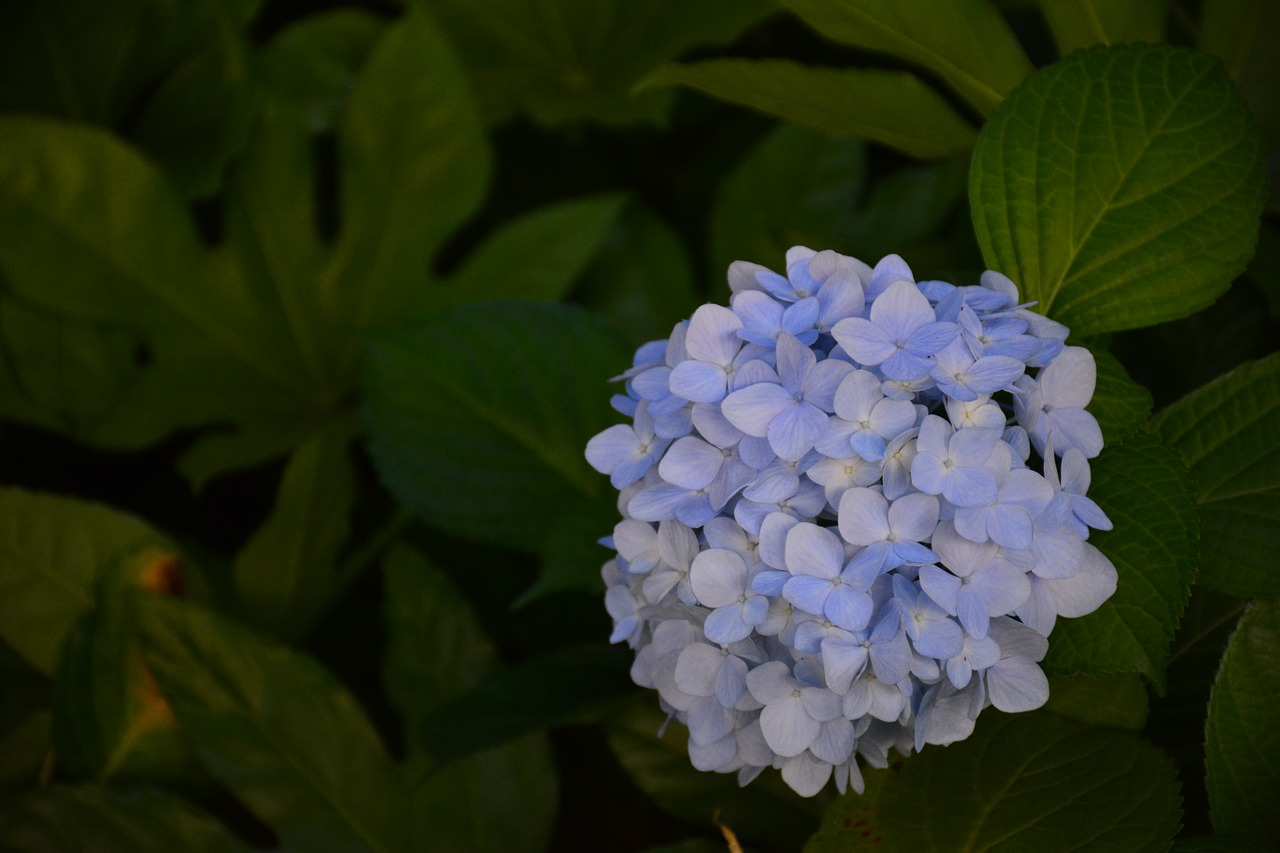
x=276, y=729
x=1229, y=435
x=1144, y=489
x=107, y=820
x=538, y=256
x=573, y=60
x=939, y=37
x=1240, y=33
x=1242, y=734
x=1116, y=701
x=890, y=107
x=1121, y=406
x=478, y=417
x=52, y=552
x=1081, y=23
x=1020, y=782
x=1120, y=187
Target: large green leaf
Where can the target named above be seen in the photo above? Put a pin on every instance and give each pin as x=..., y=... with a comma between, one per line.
x=939, y=36
x=1242, y=735
x=1229, y=434
x=414, y=163
x=1145, y=491
x=500, y=799
x=276, y=729
x=1117, y=701
x=1020, y=782
x=765, y=812
x=63, y=819
x=287, y=573
x=891, y=107
x=1082, y=23
x=1120, y=187
x=52, y=552
x=538, y=256
x=478, y=417
x=572, y=60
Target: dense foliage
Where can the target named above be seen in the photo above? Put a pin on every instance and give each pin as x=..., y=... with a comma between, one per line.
x=308, y=312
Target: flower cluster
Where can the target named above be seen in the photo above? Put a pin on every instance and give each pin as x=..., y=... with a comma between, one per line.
x=853, y=508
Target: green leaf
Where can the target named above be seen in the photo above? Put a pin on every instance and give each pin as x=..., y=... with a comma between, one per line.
x=939, y=37
x=1144, y=490
x=573, y=60
x=800, y=187
x=478, y=418
x=24, y=749
x=1242, y=735
x=561, y=689
x=1121, y=406
x=766, y=811
x=436, y=648
x=890, y=107
x=52, y=552
x=1120, y=187
x=1240, y=33
x=108, y=820
x=1020, y=782
x=500, y=799
x=571, y=555
x=276, y=729
x=1220, y=844
x=287, y=573
x=1229, y=436
x=414, y=164
x=1082, y=23
x=110, y=722
x=538, y=256
x=1116, y=701
x=641, y=277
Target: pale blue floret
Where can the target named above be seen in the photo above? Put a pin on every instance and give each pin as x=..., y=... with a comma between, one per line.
x=764, y=318
x=952, y=463
x=865, y=420
x=891, y=533
x=823, y=583
x=901, y=337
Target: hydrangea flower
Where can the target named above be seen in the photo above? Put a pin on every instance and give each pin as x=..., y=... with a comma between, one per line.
x=854, y=507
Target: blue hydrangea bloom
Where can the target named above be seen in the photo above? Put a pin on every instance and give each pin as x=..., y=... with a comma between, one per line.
x=854, y=507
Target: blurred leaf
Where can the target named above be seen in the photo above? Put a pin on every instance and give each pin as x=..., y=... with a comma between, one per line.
x=1229, y=436
x=1121, y=406
x=110, y=721
x=909, y=206
x=766, y=811
x=24, y=748
x=436, y=648
x=286, y=574
x=538, y=256
x=640, y=278
x=62, y=819
x=478, y=417
x=1242, y=33
x=1115, y=701
x=171, y=77
x=570, y=60
x=91, y=231
x=1219, y=844
x=501, y=799
x=413, y=164
x=1082, y=23
x=560, y=689
x=939, y=37
x=1020, y=782
x=796, y=187
x=890, y=107
x=1120, y=187
x=571, y=554
x=276, y=729
x=52, y=552
x=1144, y=489
x=1242, y=735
